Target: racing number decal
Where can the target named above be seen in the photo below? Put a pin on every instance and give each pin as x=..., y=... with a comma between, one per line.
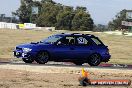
x=81, y=40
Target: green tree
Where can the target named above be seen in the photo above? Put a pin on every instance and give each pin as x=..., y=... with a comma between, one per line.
x=100, y=28
x=115, y=24
x=81, y=9
x=64, y=18
x=48, y=1
x=24, y=11
x=55, y=14
x=48, y=14
x=82, y=20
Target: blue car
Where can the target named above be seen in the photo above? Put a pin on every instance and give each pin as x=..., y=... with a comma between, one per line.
x=65, y=47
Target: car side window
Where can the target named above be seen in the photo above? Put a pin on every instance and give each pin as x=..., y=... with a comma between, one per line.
x=82, y=41
x=96, y=40
x=67, y=41
x=71, y=40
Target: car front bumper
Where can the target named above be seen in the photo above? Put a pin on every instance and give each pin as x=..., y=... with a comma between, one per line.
x=20, y=54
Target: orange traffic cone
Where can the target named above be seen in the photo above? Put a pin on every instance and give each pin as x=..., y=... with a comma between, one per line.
x=84, y=79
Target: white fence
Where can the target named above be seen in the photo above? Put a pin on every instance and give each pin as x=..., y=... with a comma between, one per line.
x=4, y=25
x=8, y=25
x=29, y=26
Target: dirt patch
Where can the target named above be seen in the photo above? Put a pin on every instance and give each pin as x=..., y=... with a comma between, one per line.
x=39, y=76
x=25, y=79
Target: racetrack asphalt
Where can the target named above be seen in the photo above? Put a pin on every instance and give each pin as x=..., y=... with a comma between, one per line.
x=69, y=64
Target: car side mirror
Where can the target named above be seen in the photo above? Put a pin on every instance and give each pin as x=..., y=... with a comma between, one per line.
x=58, y=43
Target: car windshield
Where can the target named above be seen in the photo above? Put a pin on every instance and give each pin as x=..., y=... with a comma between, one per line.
x=51, y=39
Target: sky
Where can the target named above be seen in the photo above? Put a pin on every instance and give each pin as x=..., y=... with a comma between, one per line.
x=102, y=11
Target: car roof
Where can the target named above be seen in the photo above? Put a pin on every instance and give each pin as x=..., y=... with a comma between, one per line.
x=75, y=34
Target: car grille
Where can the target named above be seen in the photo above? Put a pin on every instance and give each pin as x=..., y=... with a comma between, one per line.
x=18, y=48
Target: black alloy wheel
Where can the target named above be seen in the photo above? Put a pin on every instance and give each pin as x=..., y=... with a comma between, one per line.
x=42, y=57
x=94, y=60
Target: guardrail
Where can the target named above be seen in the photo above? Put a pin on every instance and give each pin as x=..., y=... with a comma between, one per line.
x=4, y=25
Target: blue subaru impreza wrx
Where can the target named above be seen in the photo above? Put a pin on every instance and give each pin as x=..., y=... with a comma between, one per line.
x=73, y=47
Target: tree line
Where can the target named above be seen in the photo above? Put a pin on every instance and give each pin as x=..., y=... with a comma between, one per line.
x=64, y=17
x=52, y=14
x=116, y=23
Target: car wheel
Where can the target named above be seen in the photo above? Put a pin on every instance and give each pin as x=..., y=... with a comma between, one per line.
x=42, y=57
x=78, y=63
x=28, y=60
x=94, y=60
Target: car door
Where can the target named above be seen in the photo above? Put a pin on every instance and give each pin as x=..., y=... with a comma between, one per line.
x=83, y=48
x=64, y=50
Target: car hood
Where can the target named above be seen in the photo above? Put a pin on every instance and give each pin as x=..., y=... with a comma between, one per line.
x=34, y=45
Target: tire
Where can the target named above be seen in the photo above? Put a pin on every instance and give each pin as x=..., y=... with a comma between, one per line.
x=42, y=57
x=94, y=60
x=78, y=63
x=28, y=60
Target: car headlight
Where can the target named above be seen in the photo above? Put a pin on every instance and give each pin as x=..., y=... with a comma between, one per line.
x=26, y=50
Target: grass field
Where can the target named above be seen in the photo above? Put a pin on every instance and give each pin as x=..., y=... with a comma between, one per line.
x=120, y=46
